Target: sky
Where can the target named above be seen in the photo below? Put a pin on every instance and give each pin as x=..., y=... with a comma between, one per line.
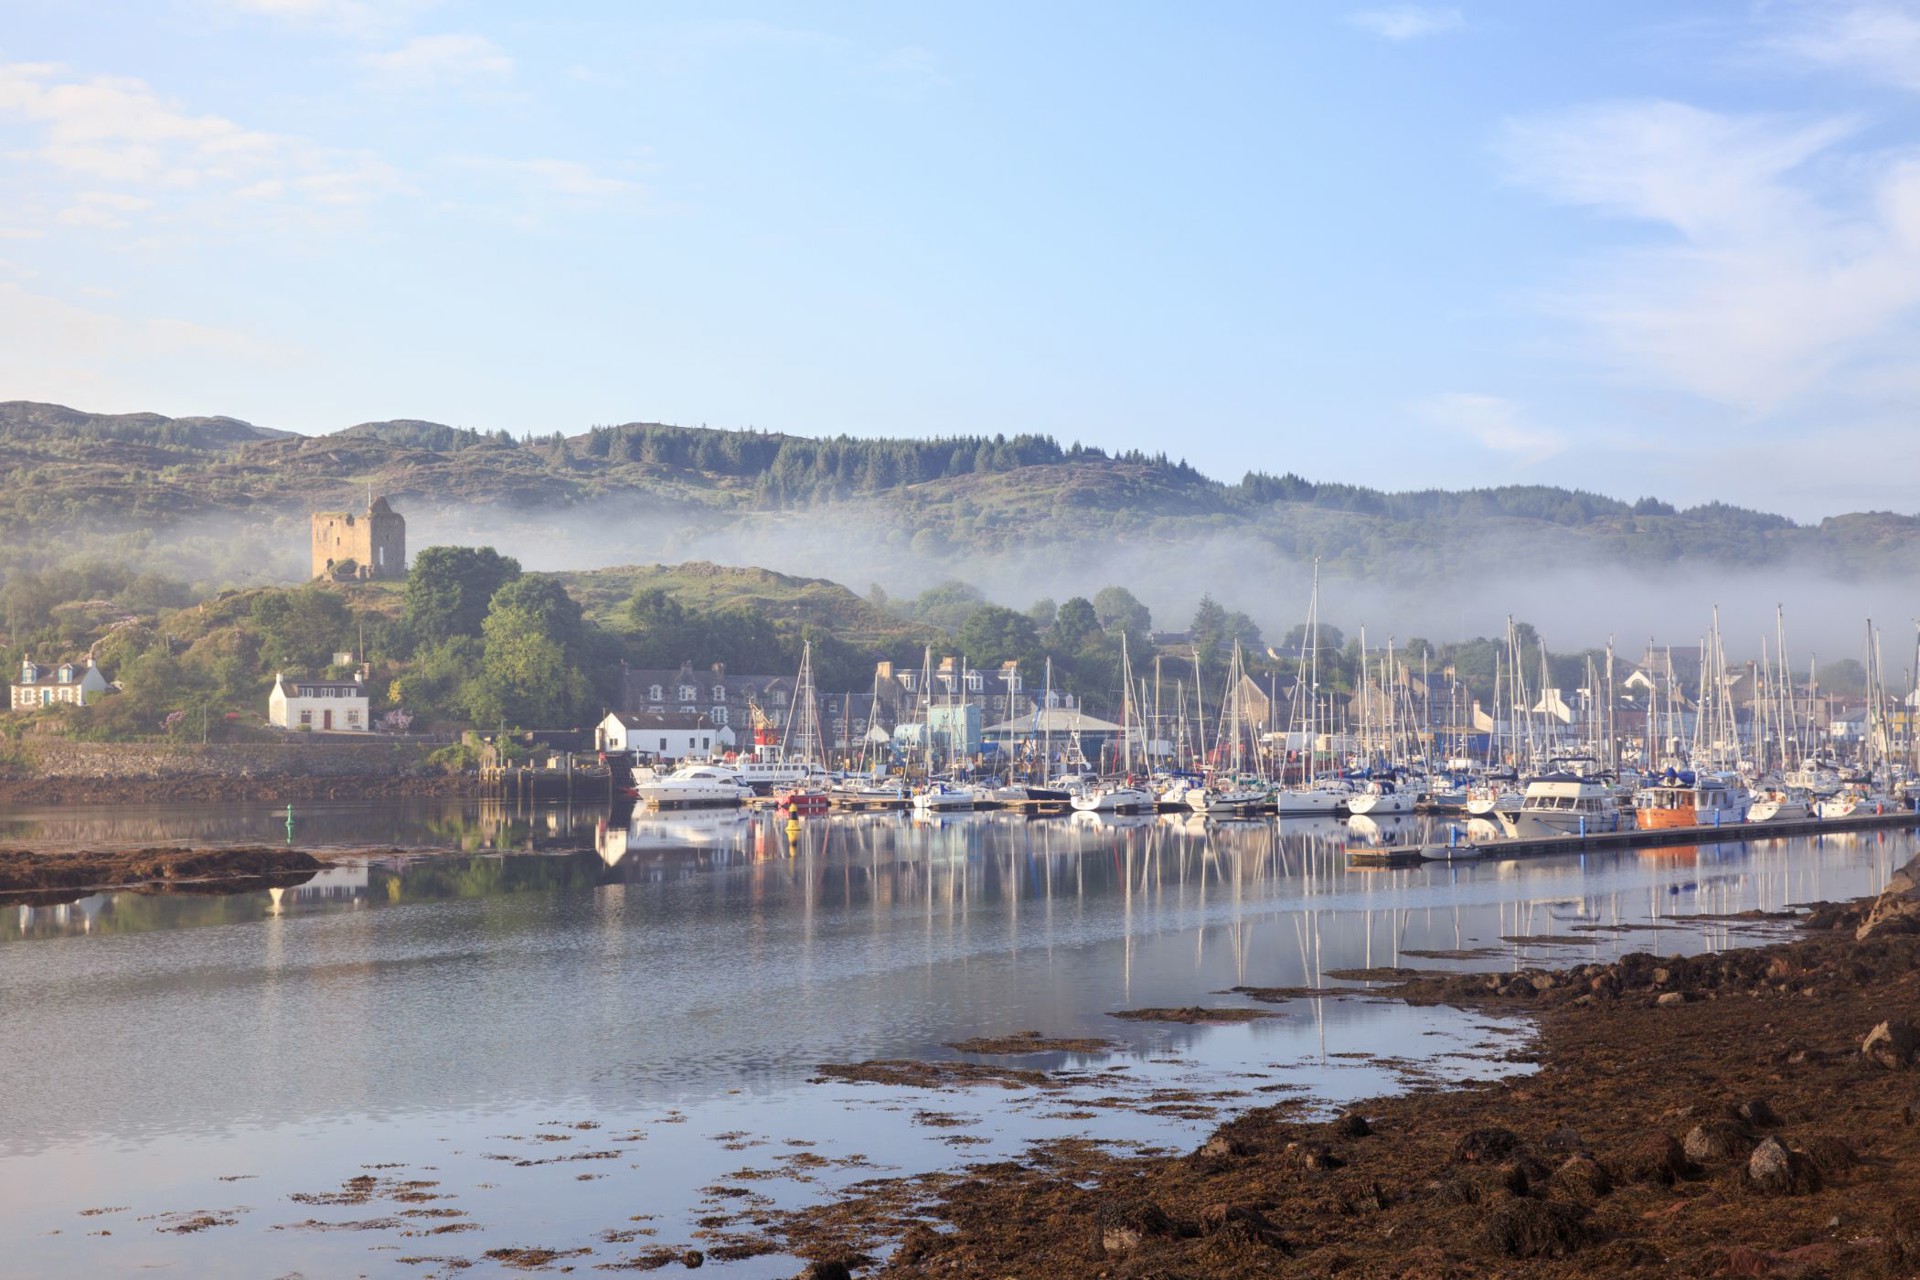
x=1642, y=248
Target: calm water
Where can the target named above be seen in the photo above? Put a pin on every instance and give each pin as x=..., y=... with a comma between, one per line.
x=494, y=987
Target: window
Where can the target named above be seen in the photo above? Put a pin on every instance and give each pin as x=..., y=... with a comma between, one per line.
x=973, y=682
x=653, y=693
x=780, y=697
x=663, y=746
x=720, y=717
x=907, y=679
x=306, y=717
x=706, y=744
x=719, y=693
x=353, y=717
x=688, y=711
x=688, y=693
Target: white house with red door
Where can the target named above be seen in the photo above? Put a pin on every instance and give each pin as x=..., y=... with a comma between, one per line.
x=320, y=706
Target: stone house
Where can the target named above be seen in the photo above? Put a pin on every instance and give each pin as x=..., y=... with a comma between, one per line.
x=74, y=684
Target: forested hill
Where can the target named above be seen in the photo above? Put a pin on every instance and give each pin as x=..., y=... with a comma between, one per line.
x=74, y=475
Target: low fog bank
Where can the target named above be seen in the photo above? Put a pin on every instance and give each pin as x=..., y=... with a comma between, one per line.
x=1574, y=603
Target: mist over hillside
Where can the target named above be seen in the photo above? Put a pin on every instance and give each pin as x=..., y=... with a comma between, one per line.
x=216, y=501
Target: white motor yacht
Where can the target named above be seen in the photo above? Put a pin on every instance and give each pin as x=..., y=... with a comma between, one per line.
x=692, y=785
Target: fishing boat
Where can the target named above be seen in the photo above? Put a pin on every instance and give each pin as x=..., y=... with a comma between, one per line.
x=1685, y=798
x=1563, y=804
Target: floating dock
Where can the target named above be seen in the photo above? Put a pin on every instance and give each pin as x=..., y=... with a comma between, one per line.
x=1630, y=838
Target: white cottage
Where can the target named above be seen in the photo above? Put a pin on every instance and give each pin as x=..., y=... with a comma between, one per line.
x=664, y=737
x=72, y=683
x=322, y=706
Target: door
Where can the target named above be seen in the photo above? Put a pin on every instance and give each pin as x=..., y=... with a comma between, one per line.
x=326, y=719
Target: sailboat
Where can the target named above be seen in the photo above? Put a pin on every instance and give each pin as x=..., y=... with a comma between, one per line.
x=1119, y=796
x=808, y=793
x=1232, y=793
x=1315, y=796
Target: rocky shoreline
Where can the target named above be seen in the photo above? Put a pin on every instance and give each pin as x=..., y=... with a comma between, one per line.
x=219, y=788
x=1744, y=1113
x=48, y=878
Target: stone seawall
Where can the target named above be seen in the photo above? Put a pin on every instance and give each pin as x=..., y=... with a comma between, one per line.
x=57, y=771
x=108, y=761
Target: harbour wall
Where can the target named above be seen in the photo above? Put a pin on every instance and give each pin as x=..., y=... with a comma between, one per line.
x=110, y=762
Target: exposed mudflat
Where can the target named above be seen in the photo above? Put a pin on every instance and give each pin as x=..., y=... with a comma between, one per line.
x=39, y=878
x=1703, y=1116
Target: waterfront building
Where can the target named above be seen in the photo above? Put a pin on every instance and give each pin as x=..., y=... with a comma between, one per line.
x=319, y=706
x=74, y=684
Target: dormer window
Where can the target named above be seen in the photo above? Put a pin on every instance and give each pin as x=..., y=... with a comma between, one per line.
x=688, y=693
x=653, y=693
x=908, y=680
x=974, y=683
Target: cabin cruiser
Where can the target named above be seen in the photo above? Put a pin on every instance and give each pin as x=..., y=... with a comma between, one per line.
x=1563, y=804
x=691, y=785
x=1684, y=798
x=765, y=775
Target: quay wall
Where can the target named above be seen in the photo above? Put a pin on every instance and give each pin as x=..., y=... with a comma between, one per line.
x=113, y=762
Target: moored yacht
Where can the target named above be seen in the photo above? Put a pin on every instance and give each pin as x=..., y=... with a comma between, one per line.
x=1381, y=797
x=692, y=785
x=1684, y=798
x=1563, y=804
x=1113, y=797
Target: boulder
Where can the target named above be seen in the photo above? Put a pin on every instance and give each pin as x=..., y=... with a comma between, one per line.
x=1537, y=1229
x=1352, y=1125
x=1774, y=1169
x=1486, y=1146
x=1715, y=1140
x=1582, y=1178
x=1657, y=1158
x=1125, y=1224
x=1891, y=1045
x=1897, y=909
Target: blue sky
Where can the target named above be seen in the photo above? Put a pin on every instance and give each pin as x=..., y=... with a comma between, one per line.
x=1635, y=247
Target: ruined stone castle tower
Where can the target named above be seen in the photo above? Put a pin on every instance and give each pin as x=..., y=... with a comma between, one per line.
x=373, y=545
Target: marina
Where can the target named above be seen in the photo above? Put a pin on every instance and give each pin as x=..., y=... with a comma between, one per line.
x=467, y=977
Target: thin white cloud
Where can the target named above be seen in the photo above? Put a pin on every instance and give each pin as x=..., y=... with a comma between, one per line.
x=1495, y=423
x=92, y=135
x=1408, y=21
x=1877, y=40
x=1777, y=262
x=430, y=61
